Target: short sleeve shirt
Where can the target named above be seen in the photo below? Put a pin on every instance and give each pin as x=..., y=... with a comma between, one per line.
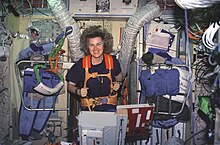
x=99, y=86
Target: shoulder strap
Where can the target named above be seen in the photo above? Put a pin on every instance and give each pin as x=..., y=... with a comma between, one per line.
x=86, y=62
x=108, y=61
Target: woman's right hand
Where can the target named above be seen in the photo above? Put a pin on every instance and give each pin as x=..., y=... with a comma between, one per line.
x=82, y=92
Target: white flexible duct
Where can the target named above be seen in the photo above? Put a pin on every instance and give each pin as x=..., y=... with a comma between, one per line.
x=64, y=18
x=133, y=26
x=208, y=36
x=193, y=4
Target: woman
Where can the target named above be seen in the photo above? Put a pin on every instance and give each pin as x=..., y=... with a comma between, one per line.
x=95, y=79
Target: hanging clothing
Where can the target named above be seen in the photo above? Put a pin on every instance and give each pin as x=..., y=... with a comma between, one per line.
x=36, y=120
x=162, y=82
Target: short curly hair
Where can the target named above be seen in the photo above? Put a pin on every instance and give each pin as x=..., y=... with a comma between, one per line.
x=96, y=31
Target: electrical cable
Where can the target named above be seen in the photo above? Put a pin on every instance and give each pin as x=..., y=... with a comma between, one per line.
x=200, y=20
x=190, y=71
x=4, y=40
x=211, y=61
x=165, y=3
x=3, y=9
x=20, y=5
x=25, y=11
x=2, y=90
x=205, y=80
x=202, y=68
x=40, y=11
x=193, y=136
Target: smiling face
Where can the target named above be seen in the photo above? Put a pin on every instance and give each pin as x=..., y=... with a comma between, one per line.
x=96, y=47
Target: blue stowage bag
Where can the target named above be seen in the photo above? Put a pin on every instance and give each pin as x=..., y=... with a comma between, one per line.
x=162, y=82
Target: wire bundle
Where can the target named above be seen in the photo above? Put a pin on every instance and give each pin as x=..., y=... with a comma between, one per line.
x=5, y=41
x=202, y=68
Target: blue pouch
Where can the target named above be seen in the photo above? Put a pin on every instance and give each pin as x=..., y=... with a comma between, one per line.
x=162, y=82
x=147, y=85
x=172, y=82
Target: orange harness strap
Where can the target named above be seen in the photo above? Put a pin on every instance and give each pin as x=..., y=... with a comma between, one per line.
x=92, y=102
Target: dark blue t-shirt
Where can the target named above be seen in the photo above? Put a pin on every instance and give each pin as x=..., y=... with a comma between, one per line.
x=99, y=86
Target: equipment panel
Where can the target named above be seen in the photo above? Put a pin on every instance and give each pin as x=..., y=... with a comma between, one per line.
x=48, y=28
x=103, y=8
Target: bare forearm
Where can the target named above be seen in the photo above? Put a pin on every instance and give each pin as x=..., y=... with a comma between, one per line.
x=118, y=78
x=72, y=88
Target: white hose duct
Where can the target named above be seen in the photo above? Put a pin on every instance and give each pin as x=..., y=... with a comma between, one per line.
x=64, y=18
x=133, y=26
x=193, y=4
x=208, y=36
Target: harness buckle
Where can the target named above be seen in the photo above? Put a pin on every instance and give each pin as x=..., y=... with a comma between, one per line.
x=94, y=75
x=99, y=101
x=92, y=102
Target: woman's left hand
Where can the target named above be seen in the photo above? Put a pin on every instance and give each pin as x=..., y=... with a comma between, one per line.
x=116, y=86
